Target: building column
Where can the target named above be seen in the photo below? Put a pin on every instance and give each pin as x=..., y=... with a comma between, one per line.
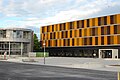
x=21, y=49
x=9, y=49
x=100, y=53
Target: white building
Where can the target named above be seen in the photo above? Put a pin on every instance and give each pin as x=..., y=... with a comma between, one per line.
x=16, y=41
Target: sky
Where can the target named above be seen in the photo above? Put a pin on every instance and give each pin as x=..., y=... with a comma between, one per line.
x=33, y=14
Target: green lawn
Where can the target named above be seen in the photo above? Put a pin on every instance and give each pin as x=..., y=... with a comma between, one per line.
x=41, y=54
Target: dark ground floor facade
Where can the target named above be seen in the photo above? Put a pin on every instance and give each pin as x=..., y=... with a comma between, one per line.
x=87, y=52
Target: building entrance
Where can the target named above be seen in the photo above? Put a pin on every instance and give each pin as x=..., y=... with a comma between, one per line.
x=108, y=53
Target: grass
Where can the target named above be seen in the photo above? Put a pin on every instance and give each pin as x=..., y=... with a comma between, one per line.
x=41, y=54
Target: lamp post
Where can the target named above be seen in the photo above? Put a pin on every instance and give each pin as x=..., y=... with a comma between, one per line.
x=44, y=51
x=44, y=48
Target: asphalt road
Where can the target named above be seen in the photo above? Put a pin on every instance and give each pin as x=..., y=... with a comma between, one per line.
x=18, y=71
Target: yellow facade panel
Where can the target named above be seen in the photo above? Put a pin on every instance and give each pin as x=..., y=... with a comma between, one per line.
x=68, y=34
x=88, y=31
x=99, y=31
x=115, y=39
x=75, y=40
x=56, y=35
x=118, y=18
x=61, y=43
x=73, y=33
x=67, y=26
x=58, y=43
x=41, y=30
x=50, y=27
x=75, y=24
x=70, y=41
x=45, y=29
x=58, y=27
x=55, y=27
x=82, y=32
x=111, y=29
x=99, y=40
x=108, y=20
x=59, y=35
x=96, y=21
x=93, y=41
x=80, y=41
x=77, y=34
x=91, y=22
x=105, y=40
x=85, y=23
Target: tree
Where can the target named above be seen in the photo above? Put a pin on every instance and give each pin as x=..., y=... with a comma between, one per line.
x=36, y=43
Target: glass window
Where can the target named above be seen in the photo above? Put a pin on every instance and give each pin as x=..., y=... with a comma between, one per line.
x=108, y=30
x=99, y=21
x=60, y=27
x=18, y=34
x=88, y=23
x=79, y=32
x=102, y=40
x=82, y=23
x=71, y=25
x=3, y=33
x=43, y=29
x=112, y=19
x=62, y=34
x=90, y=41
x=52, y=27
x=48, y=43
x=78, y=26
x=72, y=42
x=55, y=42
x=54, y=35
x=63, y=42
x=71, y=33
x=64, y=26
x=96, y=31
x=68, y=42
x=85, y=41
x=50, y=35
x=115, y=29
x=96, y=40
x=85, y=32
x=108, y=40
x=66, y=34
x=75, y=33
x=48, y=28
x=102, y=30
x=105, y=20
x=77, y=41
x=93, y=31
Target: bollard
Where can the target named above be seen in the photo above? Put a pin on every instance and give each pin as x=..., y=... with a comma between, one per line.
x=118, y=75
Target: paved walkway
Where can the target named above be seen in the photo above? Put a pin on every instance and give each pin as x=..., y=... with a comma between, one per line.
x=74, y=62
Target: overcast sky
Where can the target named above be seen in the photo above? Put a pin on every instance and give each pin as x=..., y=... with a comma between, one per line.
x=35, y=13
